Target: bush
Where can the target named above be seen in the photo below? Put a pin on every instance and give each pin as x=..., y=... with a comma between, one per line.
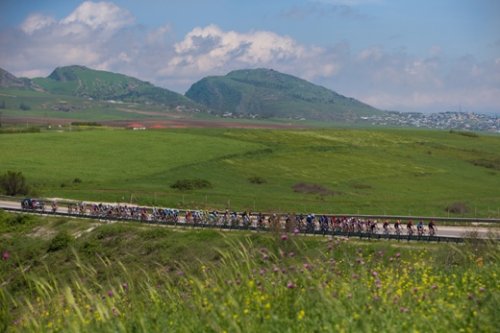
x=257, y=180
x=490, y=164
x=60, y=241
x=191, y=184
x=77, y=181
x=14, y=183
x=16, y=130
x=24, y=107
x=465, y=133
x=85, y=123
x=457, y=208
x=19, y=219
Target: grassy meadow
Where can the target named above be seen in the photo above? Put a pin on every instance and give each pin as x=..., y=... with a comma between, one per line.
x=69, y=275
x=373, y=171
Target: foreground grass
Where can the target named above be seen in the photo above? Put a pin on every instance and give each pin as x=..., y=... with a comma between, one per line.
x=134, y=278
x=332, y=171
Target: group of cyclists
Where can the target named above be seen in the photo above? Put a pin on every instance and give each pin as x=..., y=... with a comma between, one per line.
x=309, y=223
x=421, y=230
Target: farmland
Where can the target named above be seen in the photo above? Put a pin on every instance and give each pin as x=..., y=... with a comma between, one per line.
x=373, y=171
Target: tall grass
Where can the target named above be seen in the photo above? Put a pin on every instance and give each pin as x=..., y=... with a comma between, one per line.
x=284, y=287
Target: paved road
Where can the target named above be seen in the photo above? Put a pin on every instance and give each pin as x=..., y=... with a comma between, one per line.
x=445, y=231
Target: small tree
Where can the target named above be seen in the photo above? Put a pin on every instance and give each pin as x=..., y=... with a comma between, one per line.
x=14, y=183
x=25, y=107
x=60, y=241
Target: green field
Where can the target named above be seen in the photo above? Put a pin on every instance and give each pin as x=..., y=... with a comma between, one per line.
x=70, y=275
x=331, y=170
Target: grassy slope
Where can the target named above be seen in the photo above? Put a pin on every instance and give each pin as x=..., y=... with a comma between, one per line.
x=102, y=85
x=42, y=105
x=132, y=277
x=45, y=105
x=369, y=171
x=272, y=94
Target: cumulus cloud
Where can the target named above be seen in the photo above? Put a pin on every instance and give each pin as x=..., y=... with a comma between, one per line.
x=205, y=49
x=104, y=16
x=83, y=37
x=36, y=22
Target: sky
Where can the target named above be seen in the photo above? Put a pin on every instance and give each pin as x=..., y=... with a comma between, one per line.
x=403, y=55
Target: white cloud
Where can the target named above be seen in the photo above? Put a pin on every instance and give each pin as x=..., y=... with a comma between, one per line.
x=36, y=22
x=99, y=15
x=205, y=49
x=370, y=54
x=85, y=37
x=399, y=81
x=157, y=36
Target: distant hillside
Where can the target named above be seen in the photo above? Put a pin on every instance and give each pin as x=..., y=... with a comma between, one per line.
x=7, y=80
x=263, y=93
x=101, y=85
x=268, y=93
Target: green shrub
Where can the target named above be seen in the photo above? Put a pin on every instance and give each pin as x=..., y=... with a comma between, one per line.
x=465, y=133
x=457, y=208
x=109, y=231
x=24, y=107
x=16, y=130
x=14, y=183
x=91, y=247
x=490, y=164
x=85, y=123
x=257, y=180
x=191, y=184
x=19, y=219
x=60, y=241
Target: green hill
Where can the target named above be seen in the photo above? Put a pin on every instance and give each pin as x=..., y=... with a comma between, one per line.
x=268, y=93
x=101, y=85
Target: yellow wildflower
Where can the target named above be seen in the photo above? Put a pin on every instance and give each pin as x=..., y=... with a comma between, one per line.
x=301, y=314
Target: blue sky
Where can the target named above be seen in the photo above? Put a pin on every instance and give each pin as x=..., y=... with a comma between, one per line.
x=399, y=55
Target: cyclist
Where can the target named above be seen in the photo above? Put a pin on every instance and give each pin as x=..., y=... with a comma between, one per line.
x=54, y=206
x=409, y=227
x=260, y=221
x=420, y=228
x=245, y=216
x=432, y=230
x=397, y=224
x=386, y=227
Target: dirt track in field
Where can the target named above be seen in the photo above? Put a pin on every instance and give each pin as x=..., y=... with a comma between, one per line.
x=152, y=123
x=36, y=121
x=192, y=123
